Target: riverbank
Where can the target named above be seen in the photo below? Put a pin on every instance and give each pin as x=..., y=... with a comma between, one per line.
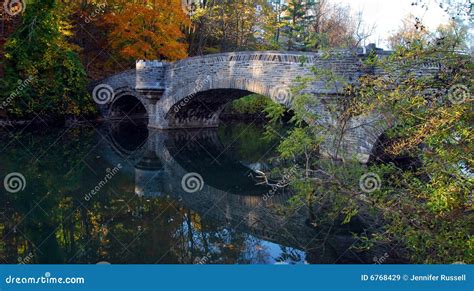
x=41, y=121
x=46, y=122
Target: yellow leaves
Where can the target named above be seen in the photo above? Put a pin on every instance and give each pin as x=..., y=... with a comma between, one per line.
x=433, y=125
x=66, y=28
x=444, y=198
x=149, y=31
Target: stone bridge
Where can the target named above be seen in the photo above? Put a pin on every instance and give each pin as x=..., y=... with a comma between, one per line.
x=191, y=93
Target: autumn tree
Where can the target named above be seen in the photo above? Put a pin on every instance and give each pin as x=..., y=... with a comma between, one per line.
x=411, y=30
x=313, y=25
x=332, y=26
x=43, y=73
x=220, y=26
x=147, y=30
x=424, y=208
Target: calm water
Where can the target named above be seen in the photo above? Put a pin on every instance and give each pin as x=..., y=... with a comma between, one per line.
x=122, y=194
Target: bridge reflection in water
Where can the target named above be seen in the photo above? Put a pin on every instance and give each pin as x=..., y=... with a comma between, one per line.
x=229, y=196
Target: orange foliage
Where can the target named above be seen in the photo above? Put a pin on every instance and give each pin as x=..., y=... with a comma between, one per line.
x=148, y=31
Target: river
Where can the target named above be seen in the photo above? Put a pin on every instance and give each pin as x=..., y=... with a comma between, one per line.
x=119, y=193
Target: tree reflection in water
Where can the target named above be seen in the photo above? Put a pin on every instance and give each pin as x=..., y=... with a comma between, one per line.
x=142, y=214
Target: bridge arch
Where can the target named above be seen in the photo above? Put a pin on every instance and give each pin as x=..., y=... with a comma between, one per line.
x=127, y=104
x=200, y=103
x=204, y=85
x=191, y=93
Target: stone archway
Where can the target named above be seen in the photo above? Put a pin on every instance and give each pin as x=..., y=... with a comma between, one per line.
x=192, y=92
x=127, y=106
x=202, y=109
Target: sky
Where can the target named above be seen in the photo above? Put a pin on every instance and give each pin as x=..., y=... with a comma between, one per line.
x=388, y=15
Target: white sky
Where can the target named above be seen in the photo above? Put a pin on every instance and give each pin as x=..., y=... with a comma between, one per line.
x=387, y=15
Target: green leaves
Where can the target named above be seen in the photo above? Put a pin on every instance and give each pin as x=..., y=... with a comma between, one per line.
x=274, y=112
x=423, y=193
x=38, y=50
x=251, y=104
x=299, y=142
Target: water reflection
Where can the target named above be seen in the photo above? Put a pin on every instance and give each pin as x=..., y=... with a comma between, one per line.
x=142, y=214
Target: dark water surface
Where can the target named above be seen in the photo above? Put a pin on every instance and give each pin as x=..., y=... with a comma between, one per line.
x=123, y=194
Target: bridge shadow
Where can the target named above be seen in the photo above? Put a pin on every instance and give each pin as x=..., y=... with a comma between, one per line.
x=202, y=109
x=127, y=107
x=228, y=195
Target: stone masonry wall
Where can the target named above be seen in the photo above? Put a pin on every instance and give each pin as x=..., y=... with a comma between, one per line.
x=191, y=93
